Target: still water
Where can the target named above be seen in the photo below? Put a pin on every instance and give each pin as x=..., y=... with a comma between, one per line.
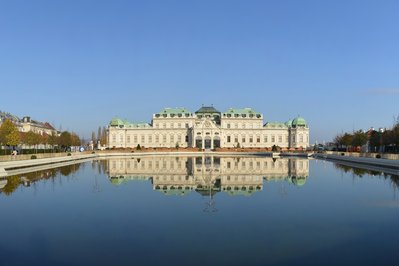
x=200, y=211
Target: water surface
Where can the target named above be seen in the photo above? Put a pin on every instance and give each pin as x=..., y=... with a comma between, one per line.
x=200, y=210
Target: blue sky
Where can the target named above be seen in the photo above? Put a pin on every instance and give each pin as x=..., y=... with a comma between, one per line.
x=80, y=63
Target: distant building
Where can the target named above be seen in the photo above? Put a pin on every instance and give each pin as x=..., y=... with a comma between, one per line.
x=207, y=128
x=27, y=124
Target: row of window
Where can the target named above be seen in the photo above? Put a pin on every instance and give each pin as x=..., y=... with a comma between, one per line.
x=230, y=164
x=243, y=115
x=225, y=125
x=229, y=139
x=242, y=125
x=150, y=138
x=173, y=115
x=257, y=139
x=171, y=125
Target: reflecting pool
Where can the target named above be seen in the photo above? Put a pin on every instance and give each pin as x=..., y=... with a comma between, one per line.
x=204, y=210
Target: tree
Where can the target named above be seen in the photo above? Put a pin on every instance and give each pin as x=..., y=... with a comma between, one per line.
x=375, y=140
x=93, y=137
x=103, y=139
x=395, y=134
x=65, y=140
x=9, y=134
x=44, y=139
x=347, y=140
x=31, y=138
x=52, y=139
x=75, y=140
x=338, y=140
x=98, y=135
x=359, y=138
x=12, y=184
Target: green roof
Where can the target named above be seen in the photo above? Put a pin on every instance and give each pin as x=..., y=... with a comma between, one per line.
x=177, y=110
x=116, y=122
x=298, y=180
x=126, y=124
x=275, y=125
x=117, y=180
x=299, y=121
x=240, y=192
x=175, y=192
x=247, y=111
x=207, y=110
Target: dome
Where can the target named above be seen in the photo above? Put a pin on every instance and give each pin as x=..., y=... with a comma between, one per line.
x=207, y=110
x=298, y=180
x=288, y=123
x=299, y=122
x=116, y=122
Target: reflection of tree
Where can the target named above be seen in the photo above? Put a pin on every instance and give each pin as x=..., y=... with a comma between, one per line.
x=69, y=169
x=27, y=178
x=360, y=172
x=12, y=184
x=102, y=166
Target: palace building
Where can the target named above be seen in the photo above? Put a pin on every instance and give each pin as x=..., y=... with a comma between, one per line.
x=208, y=128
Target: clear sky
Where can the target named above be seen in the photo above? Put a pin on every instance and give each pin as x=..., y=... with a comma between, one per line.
x=80, y=63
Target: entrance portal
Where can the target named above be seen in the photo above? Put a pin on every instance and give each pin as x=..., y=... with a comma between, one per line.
x=198, y=142
x=216, y=142
x=208, y=143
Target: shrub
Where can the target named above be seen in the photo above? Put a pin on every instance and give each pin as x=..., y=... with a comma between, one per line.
x=138, y=147
x=69, y=154
x=33, y=157
x=275, y=148
x=343, y=154
x=378, y=156
x=93, y=152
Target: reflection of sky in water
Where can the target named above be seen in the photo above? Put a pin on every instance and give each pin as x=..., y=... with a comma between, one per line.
x=80, y=217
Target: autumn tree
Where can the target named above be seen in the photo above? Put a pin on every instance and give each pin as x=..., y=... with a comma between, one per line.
x=12, y=184
x=75, y=140
x=65, y=140
x=53, y=139
x=31, y=139
x=44, y=139
x=9, y=135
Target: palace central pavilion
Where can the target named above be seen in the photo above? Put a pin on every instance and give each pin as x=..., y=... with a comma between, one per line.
x=208, y=128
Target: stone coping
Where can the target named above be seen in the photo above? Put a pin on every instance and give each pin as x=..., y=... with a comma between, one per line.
x=9, y=166
x=360, y=160
x=14, y=164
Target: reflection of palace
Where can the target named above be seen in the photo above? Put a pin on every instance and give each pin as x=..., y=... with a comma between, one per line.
x=208, y=174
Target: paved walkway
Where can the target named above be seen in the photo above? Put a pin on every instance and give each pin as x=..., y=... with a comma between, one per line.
x=9, y=165
x=360, y=160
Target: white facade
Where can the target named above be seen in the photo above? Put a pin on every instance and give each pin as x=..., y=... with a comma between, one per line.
x=208, y=128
